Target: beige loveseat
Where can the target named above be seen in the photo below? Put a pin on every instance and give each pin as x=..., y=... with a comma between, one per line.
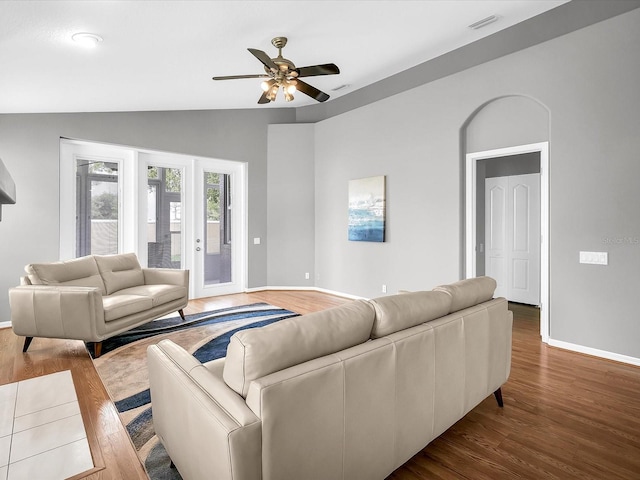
x=93, y=298
x=349, y=393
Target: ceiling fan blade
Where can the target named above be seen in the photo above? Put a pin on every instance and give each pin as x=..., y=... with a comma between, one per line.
x=264, y=58
x=315, y=70
x=263, y=98
x=235, y=77
x=313, y=92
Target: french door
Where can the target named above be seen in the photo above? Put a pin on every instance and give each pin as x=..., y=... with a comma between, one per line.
x=218, y=243
x=193, y=218
x=172, y=210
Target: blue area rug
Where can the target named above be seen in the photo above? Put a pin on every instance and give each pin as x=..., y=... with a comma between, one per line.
x=122, y=367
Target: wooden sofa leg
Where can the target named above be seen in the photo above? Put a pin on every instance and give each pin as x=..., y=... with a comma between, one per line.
x=498, y=395
x=97, y=349
x=27, y=342
x=181, y=314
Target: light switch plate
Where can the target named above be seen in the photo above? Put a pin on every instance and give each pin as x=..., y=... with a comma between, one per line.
x=594, y=258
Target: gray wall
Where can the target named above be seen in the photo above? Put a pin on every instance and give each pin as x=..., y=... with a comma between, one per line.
x=29, y=146
x=290, y=205
x=400, y=137
x=588, y=83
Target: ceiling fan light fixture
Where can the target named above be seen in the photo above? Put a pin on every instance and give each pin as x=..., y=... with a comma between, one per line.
x=265, y=86
x=287, y=96
x=273, y=92
x=291, y=88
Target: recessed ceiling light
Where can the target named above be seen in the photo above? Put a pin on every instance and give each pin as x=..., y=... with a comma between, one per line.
x=87, y=40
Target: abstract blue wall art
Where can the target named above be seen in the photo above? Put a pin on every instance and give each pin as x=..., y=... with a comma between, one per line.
x=367, y=209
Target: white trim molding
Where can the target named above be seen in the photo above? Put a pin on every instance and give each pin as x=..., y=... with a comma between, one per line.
x=594, y=352
x=307, y=289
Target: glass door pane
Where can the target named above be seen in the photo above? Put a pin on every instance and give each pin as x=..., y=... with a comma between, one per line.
x=164, y=217
x=97, y=209
x=217, y=228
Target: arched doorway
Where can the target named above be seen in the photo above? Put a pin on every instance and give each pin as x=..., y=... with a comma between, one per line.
x=506, y=131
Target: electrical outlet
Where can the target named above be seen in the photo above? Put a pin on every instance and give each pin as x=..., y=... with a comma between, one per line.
x=594, y=258
x=384, y=289
x=306, y=276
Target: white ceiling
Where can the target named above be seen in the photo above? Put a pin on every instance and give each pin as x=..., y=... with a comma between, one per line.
x=161, y=55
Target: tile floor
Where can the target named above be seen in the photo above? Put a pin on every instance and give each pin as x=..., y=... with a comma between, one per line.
x=41, y=431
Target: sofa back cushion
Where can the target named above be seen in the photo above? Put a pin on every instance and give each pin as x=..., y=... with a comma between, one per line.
x=398, y=312
x=78, y=272
x=119, y=271
x=469, y=292
x=256, y=352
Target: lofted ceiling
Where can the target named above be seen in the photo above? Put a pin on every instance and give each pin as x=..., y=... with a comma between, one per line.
x=161, y=55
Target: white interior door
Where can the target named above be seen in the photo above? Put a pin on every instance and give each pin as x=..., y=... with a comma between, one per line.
x=495, y=232
x=512, y=230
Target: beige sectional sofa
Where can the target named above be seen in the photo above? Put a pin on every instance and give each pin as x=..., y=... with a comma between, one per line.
x=348, y=393
x=93, y=298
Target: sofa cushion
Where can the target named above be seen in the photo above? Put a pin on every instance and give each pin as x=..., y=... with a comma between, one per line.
x=398, y=312
x=118, y=306
x=159, y=294
x=469, y=292
x=78, y=272
x=257, y=352
x=119, y=271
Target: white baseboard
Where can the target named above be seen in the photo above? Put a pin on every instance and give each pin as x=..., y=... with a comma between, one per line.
x=595, y=352
x=5, y=324
x=308, y=289
x=339, y=294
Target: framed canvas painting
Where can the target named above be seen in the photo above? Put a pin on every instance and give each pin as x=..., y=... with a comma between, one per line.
x=367, y=209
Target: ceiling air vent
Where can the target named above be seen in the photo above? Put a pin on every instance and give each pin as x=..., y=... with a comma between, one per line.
x=484, y=22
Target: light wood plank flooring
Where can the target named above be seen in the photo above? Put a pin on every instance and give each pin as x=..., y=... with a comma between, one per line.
x=566, y=415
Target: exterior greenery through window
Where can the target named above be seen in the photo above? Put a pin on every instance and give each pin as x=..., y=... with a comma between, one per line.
x=212, y=180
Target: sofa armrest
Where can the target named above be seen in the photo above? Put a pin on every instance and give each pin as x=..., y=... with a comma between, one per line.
x=170, y=276
x=206, y=428
x=57, y=312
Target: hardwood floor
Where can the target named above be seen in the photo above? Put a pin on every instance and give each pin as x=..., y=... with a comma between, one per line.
x=565, y=416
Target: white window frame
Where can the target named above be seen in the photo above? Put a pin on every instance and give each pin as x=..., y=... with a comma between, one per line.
x=70, y=152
